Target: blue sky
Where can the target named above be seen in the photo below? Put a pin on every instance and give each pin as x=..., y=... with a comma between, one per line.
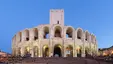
x=96, y=16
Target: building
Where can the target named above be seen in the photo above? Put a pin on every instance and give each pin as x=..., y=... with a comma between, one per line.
x=4, y=56
x=106, y=51
x=54, y=39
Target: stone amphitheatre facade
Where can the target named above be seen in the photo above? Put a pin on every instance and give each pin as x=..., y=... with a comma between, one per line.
x=53, y=39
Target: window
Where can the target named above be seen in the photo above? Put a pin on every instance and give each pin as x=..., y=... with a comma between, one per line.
x=57, y=22
x=46, y=33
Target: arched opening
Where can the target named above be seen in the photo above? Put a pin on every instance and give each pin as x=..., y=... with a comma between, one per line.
x=69, y=33
x=86, y=52
x=35, y=33
x=45, y=51
x=57, y=22
x=79, y=34
x=69, y=51
x=58, y=31
x=27, y=35
x=36, y=52
x=46, y=33
x=57, y=51
x=79, y=52
x=87, y=36
x=27, y=52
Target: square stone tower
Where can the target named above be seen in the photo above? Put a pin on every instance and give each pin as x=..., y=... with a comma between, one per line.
x=57, y=16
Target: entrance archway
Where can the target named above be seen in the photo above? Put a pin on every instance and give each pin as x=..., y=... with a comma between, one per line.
x=27, y=52
x=36, y=52
x=87, y=52
x=69, y=51
x=45, y=51
x=57, y=50
x=79, y=52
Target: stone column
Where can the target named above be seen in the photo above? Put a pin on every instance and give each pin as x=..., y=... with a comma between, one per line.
x=75, y=51
x=51, y=40
x=74, y=48
x=51, y=49
x=41, y=54
x=40, y=38
x=83, y=51
x=40, y=49
x=63, y=51
x=16, y=51
x=32, y=52
x=22, y=51
x=83, y=45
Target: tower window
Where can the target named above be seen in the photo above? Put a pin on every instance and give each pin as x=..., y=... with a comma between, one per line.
x=57, y=22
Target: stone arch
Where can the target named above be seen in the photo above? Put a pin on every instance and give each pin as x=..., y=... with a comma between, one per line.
x=79, y=33
x=69, y=32
x=87, y=38
x=36, y=51
x=46, y=32
x=45, y=51
x=26, y=33
x=87, y=51
x=79, y=51
x=69, y=51
x=35, y=33
x=57, y=50
x=27, y=51
x=57, y=31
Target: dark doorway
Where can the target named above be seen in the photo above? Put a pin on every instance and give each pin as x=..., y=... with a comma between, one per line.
x=86, y=52
x=57, y=51
x=57, y=22
x=79, y=53
x=46, y=52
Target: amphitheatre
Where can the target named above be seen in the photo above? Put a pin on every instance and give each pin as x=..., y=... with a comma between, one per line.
x=55, y=43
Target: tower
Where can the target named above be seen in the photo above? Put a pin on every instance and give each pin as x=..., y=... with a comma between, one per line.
x=57, y=16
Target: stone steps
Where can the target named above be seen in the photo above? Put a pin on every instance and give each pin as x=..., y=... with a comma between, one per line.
x=58, y=61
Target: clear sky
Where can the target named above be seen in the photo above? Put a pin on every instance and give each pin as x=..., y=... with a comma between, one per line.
x=96, y=16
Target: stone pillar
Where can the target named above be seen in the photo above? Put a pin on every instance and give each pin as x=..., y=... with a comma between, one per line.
x=75, y=51
x=51, y=49
x=22, y=51
x=16, y=51
x=74, y=48
x=40, y=50
x=63, y=51
x=83, y=52
x=83, y=45
x=41, y=54
x=32, y=52
x=40, y=38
